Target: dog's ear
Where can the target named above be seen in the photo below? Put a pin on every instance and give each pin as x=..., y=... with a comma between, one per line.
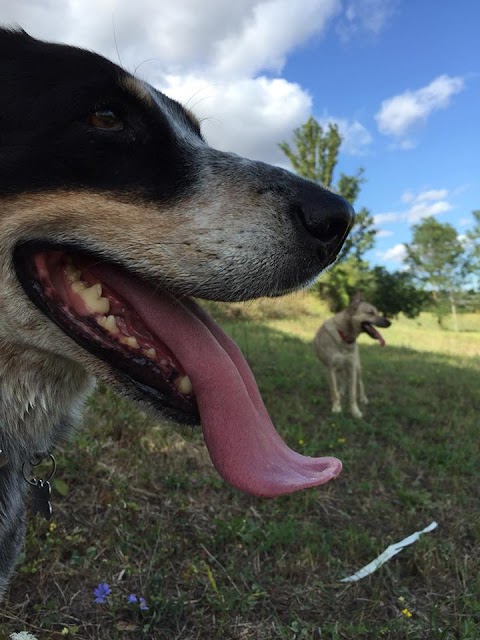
x=355, y=301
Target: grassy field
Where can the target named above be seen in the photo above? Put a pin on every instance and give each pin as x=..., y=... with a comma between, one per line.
x=138, y=505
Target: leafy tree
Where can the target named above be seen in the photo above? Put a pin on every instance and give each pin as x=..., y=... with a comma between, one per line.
x=315, y=156
x=391, y=293
x=339, y=284
x=473, y=249
x=394, y=293
x=316, y=152
x=437, y=259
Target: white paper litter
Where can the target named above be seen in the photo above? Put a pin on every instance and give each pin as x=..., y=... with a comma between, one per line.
x=389, y=552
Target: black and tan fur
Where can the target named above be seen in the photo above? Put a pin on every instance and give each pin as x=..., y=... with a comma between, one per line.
x=336, y=346
x=152, y=197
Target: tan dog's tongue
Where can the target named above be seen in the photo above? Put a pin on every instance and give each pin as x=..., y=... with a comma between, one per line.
x=240, y=437
x=376, y=335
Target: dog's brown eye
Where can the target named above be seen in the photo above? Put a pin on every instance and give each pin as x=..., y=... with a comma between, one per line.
x=105, y=119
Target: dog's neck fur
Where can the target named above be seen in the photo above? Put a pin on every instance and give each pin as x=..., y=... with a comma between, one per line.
x=346, y=329
x=35, y=388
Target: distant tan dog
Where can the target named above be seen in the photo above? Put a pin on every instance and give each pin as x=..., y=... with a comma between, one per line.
x=335, y=344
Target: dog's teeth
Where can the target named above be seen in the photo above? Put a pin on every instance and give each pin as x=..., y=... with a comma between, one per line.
x=108, y=323
x=150, y=353
x=102, y=305
x=92, y=297
x=77, y=287
x=72, y=274
x=130, y=341
x=184, y=385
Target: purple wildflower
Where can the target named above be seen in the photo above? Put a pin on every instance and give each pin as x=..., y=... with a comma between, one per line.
x=143, y=605
x=132, y=598
x=101, y=592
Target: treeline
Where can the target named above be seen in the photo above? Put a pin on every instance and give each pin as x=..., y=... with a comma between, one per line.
x=442, y=268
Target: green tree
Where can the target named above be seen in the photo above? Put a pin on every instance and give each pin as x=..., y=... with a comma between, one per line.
x=314, y=156
x=338, y=285
x=437, y=259
x=316, y=151
x=473, y=250
x=395, y=292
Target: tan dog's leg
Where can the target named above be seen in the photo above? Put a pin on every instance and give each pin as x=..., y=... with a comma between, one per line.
x=334, y=392
x=361, y=389
x=354, y=377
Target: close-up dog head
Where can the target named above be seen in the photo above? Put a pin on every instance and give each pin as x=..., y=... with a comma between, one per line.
x=114, y=212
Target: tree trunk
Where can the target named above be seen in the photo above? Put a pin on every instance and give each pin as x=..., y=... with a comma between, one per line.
x=454, y=311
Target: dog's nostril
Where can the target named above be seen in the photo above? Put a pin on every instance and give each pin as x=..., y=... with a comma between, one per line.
x=332, y=230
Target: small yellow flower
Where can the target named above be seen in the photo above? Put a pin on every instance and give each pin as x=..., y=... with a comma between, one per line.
x=342, y=440
x=301, y=441
x=64, y=631
x=406, y=613
x=52, y=527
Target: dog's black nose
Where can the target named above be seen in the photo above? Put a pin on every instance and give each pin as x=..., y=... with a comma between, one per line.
x=326, y=216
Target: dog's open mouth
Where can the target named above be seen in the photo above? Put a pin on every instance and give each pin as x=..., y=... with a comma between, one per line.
x=76, y=291
x=177, y=357
x=373, y=333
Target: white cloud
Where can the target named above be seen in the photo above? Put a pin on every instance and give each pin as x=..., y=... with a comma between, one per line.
x=269, y=32
x=420, y=210
x=430, y=202
x=249, y=116
x=432, y=194
x=427, y=203
x=408, y=196
x=386, y=218
x=397, y=253
x=400, y=115
x=370, y=16
x=355, y=137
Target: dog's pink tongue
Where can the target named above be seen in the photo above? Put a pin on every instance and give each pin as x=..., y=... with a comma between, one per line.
x=248, y=452
x=240, y=437
x=373, y=333
x=378, y=336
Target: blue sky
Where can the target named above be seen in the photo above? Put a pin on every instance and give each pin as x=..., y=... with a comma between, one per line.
x=431, y=167
x=401, y=78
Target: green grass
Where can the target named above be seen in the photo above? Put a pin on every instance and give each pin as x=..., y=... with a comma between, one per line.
x=145, y=511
